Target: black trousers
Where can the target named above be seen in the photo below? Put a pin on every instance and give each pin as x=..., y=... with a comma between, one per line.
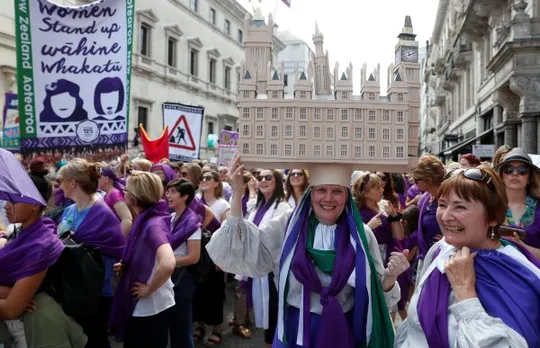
x=209, y=298
x=147, y=332
x=95, y=327
x=180, y=315
x=272, y=310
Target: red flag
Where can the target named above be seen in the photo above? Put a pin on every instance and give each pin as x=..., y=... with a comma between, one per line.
x=158, y=149
x=287, y=2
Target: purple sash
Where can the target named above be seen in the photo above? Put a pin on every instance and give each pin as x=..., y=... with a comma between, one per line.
x=245, y=199
x=184, y=227
x=149, y=231
x=422, y=243
x=101, y=229
x=502, y=284
x=34, y=249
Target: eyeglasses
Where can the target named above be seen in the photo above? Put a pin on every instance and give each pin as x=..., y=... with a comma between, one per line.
x=184, y=174
x=207, y=178
x=521, y=170
x=297, y=174
x=479, y=175
x=268, y=177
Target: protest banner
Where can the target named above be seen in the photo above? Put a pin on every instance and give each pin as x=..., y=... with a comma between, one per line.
x=185, y=127
x=228, y=147
x=10, y=123
x=74, y=70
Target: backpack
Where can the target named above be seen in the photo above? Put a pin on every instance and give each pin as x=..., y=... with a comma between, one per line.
x=201, y=269
x=75, y=281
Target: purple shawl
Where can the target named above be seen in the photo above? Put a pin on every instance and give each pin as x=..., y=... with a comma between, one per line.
x=184, y=227
x=101, y=229
x=170, y=174
x=150, y=230
x=502, y=284
x=423, y=243
x=34, y=249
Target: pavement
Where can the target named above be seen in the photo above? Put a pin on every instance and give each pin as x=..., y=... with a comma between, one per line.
x=230, y=340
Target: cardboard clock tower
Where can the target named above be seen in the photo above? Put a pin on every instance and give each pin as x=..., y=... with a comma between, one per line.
x=323, y=123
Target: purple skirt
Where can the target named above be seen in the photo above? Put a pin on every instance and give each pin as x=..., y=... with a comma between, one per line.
x=291, y=328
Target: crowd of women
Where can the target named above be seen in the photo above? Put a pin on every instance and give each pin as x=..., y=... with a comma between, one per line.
x=320, y=258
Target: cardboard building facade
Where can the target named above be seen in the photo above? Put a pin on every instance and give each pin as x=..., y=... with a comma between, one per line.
x=324, y=122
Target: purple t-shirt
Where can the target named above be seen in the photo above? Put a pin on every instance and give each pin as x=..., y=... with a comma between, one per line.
x=113, y=197
x=413, y=191
x=383, y=233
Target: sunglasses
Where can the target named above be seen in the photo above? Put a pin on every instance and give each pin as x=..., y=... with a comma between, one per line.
x=268, y=177
x=479, y=175
x=207, y=178
x=297, y=174
x=521, y=170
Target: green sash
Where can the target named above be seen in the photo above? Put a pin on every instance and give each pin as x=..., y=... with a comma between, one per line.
x=323, y=259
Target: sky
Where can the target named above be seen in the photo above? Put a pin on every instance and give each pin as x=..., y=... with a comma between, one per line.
x=357, y=31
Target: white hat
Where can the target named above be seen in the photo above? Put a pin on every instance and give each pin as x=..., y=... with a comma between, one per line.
x=330, y=174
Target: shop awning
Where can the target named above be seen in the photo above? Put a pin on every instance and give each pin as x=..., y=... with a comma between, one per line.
x=454, y=149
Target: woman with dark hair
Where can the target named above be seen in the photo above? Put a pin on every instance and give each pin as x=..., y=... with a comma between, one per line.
x=186, y=244
x=296, y=184
x=212, y=194
x=111, y=185
x=400, y=188
x=388, y=193
x=109, y=98
x=62, y=103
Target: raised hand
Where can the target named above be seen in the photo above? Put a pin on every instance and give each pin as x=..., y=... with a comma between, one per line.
x=235, y=176
x=375, y=221
x=397, y=263
x=459, y=269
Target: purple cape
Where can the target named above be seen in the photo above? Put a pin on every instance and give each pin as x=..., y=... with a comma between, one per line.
x=184, y=227
x=138, y=260
x=101, y=229
x=35, y=249
x=502, y=284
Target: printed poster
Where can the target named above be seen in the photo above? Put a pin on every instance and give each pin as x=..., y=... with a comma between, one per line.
x=74, y=70
x=228, y=147
x=185, y=127
x=10, y=121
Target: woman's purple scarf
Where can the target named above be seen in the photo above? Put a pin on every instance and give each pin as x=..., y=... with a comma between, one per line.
x=502, y=284
x=245, y=199
x=198, y=206
x=170, y=174
x=109, y=173
x=138, y=260
x=101, y=229
x=184, y=227
x=422, y=243
x=35, y=249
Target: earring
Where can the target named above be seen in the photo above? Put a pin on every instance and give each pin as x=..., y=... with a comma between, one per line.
x=492, y=233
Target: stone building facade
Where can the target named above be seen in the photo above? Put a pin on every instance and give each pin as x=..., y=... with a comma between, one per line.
x=483, y=75
x=322, y=121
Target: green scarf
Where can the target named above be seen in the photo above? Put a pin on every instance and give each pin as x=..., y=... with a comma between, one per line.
x=323, y=259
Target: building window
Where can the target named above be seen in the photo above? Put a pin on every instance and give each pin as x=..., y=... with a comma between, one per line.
x=357, y=151
x=344, y=95
x=288, y=130
x=194, y=62
x=386, y=134
x=288, y=150
x=274, y=131
x=330, y=114
x=275, y=94
x=399, y=116
x=210, y=127
x=245, y=148
x=386, y=151
x=317, y=150
x=357, y=114
x=399, y=134
x=371, y=133
x=227, y=128
x=285, y=80
x=357, y=133
x=329, y=151
x=142, y=114
x=212, y=71
x=227, y=78
x=240, y=37
x=303, y=95
x=344, y=151
x=171, y=51
x=273, y=150
x=213, y=16
x=303, y=113
x=259, y=149
x=275, y=113
x=317, y=132
x=245, y=113
x=260, y=113
x=400, y=97
x=227, y=27
x=144, y=40
x=344, y=132
x=344, y=115
x=246, y=94
x=289, y=114
x=386, y=116
x=371, y=96
x=245, y=130
x=301, y=149
x=371, y=116
x=302, y=132
x=317, y=115
x=195, y=5
x=371, y=151
x=260, y=131
x=399, y=152
x=329, y=133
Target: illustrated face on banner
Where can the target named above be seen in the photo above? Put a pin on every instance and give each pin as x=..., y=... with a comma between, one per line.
x=109, y=102
x=63, y=105
x=109, y=96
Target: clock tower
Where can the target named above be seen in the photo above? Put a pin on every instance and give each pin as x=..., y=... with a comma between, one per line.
x=407, y=47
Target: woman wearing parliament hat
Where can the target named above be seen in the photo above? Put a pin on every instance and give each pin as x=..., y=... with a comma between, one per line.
x=332, y=287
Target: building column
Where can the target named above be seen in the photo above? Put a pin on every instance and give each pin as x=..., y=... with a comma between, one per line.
x=529, y=135
x=497, y=115
x=510, y=135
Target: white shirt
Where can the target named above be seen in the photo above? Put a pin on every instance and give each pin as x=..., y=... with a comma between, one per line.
x=182, y=248
x=160, y=300
x=218, y=207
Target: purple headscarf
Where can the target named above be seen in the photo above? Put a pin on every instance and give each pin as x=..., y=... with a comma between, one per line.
x=170, y=174
x=150, y=230
x=35, y=249
x=109, y=173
